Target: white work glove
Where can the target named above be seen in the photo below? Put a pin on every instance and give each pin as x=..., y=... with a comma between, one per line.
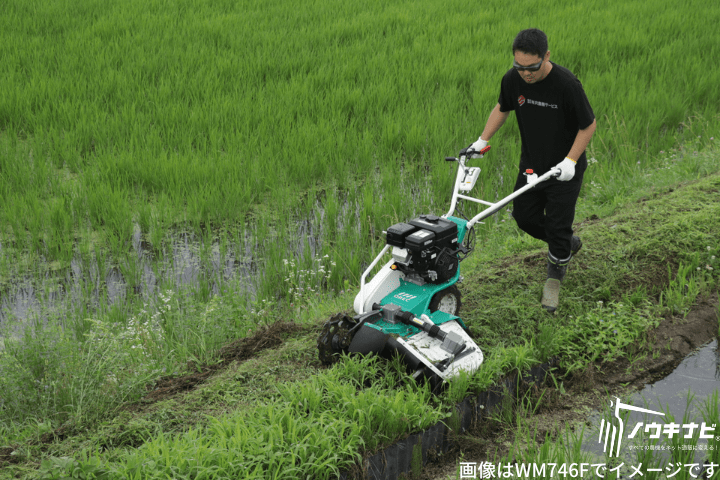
x=477, y=146
x=567, y=169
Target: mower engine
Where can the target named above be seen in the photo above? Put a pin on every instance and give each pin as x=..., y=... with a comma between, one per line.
x=425, y=249
x=410, y=306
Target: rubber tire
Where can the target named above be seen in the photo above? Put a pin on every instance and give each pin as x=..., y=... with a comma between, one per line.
x=445, y=295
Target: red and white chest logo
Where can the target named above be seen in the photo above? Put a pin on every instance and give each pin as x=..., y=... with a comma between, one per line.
x=521, y=100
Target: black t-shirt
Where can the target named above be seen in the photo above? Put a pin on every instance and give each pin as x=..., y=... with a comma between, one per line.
x=549, y=114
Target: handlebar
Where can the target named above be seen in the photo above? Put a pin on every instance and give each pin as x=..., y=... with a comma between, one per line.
x=553, y=172
x=468, y=152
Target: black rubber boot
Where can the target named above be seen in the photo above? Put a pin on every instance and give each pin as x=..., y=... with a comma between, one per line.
x=575, y=245
x=556, y=270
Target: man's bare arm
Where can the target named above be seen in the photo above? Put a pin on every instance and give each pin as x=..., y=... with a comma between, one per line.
x=495, y=121
x=582, y=140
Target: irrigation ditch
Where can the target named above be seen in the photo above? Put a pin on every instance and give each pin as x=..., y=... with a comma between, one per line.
x=580, y=397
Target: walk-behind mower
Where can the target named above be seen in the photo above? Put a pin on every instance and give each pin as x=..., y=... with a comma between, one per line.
x=410, y=307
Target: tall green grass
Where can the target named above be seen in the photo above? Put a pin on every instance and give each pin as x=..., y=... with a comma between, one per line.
x=82, y=372
x=48, y=373
x=205, y=110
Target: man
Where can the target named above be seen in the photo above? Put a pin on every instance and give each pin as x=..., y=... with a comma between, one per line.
x=556, y=123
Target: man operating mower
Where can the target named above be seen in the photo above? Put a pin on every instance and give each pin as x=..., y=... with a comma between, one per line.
x=556, y=123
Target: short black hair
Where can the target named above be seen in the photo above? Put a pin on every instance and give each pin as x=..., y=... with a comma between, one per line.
x=531, y=41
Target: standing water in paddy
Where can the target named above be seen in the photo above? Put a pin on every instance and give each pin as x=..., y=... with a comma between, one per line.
x=90, y=282
x=250, y=264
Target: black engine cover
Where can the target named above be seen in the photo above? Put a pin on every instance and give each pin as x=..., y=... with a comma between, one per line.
x=433, y=247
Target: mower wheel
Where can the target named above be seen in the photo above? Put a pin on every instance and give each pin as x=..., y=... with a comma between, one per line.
x=446, y=300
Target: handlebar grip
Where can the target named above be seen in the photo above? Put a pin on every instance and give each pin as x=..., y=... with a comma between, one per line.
x=468, y=151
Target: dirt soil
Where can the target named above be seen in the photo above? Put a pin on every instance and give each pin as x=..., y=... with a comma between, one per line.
x=6, y=456
x=238, y=350
x=672, y=341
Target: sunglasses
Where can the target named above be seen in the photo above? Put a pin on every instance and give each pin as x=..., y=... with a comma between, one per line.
x=530, y=68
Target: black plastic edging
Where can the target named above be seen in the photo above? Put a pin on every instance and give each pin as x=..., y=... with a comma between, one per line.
x=418, y=449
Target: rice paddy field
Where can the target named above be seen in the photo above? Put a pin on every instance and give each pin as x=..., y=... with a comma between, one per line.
x=234, y=120
x=177, y=174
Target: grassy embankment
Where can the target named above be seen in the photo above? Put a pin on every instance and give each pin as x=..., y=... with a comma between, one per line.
x=273, y=411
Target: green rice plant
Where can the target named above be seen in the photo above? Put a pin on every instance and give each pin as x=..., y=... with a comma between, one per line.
x=60, y=243
x=144, y=141
x=556, y=457
x=130, y=271
x=144, y=216
x=150, y=133
x=710, y=411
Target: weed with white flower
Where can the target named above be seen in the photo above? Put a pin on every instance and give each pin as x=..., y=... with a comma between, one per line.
x=304, y=286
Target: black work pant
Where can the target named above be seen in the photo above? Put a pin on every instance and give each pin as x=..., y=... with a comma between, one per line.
x=547, y=211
